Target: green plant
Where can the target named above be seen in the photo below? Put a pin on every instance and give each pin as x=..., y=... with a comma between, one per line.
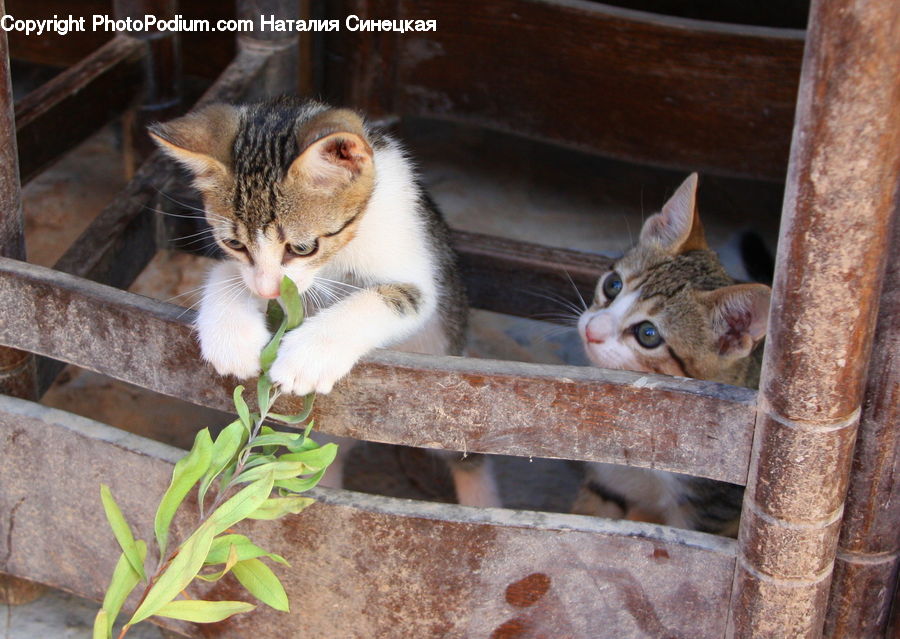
x=246, y=452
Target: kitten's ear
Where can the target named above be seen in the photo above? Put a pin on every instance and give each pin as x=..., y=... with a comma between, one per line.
x=333, y=150
x=677, y=228
x=200, y=140
x=740, y=317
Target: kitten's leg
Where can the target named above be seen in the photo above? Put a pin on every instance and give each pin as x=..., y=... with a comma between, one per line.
x=324, y=349
x=473, y=478
x=231, y=324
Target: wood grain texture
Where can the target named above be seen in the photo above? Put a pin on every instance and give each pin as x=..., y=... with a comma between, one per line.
x=868, y=558
x=672, y=92
x=488, y=406
x=58, y=116
x=835, y=232
x=363, y=565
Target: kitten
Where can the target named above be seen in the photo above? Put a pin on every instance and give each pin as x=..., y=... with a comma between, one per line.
x=668, y=306
x=301, y=189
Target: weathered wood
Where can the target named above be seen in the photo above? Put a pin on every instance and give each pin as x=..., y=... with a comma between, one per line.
x=636, y=86
x=487, y=406
x=17, y=368
x=363, y=565
x=513, y=277
x=56, y=117
x=205, y=54
x=868, y=557
x=162, y=94
x=282, y=75
x=834, y=240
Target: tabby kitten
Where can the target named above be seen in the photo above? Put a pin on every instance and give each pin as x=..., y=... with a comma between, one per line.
x=668, y=306
x=301, y=189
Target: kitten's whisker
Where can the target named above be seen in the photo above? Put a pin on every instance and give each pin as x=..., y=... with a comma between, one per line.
x=217, y=284
x=577, y=292
x=557, y=299
x=339, y=283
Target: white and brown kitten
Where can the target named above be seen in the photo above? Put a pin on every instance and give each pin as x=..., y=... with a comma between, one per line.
x=301, y=189
x=668, y=306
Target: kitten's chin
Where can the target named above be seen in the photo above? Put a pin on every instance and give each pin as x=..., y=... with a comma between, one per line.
x=610, y=359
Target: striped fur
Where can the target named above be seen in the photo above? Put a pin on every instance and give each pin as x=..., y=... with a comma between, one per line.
x=710, y=328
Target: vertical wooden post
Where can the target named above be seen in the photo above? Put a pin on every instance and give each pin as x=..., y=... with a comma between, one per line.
x=841, y=189
x=868, y=557
x=18, y=375
x=282, y=75
x=162, y=77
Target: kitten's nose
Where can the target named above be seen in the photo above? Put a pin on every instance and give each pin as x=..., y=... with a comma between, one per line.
x=600, y=328
x=266, y=287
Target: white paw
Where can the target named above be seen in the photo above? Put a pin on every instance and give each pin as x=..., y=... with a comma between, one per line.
x=309, y=362
x=232, y=344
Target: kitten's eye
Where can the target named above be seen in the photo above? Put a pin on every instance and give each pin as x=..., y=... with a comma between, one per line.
x=612, y=285
x=304, y=250
x=647, y=335
x=232, y=243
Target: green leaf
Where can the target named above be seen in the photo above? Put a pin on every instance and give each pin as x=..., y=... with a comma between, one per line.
x=278, y=507
x=242, y=409
x=262, y=583
x=181, y=571
x=121, y=530
x=246, y=549
x=276, y=439
x=300, y=485
x=274, y=315
x=231, y=561
x=241, y=504
x=293, y=305
x=316, y=459
x=203, y=611
x=102, y=627
x=278, y=469
x=224, y=450
x=267, y=356
x=187, y=471
x=264, y=393
x=308, y=402
x=123, y=581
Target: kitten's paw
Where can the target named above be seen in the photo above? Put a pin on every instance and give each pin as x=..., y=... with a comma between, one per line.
x=233, y=346
x=309, y=362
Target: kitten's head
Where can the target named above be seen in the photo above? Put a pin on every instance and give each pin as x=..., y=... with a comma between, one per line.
x=284, y=183
x=668, y=306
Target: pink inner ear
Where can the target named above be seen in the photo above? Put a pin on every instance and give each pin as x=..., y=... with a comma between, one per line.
x=345, y=153
x=738, y=332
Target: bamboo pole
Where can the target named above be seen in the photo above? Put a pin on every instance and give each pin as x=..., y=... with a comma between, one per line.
x=841, y=193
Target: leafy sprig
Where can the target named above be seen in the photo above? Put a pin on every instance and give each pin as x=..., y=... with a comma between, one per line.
x=246, y=462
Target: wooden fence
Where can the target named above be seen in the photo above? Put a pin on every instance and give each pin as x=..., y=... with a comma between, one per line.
x=823, y=423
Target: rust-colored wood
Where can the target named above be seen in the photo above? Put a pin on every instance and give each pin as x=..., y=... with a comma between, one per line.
x=59, y=115
x=488, y=406
x=636, y=86
x=868, y=555
x=833, y=244
x=363, y=565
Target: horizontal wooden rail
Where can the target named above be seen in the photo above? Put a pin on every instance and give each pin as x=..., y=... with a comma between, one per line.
x=59, y=115
x=632, y=85
x=675, y=424
x=362, y=565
